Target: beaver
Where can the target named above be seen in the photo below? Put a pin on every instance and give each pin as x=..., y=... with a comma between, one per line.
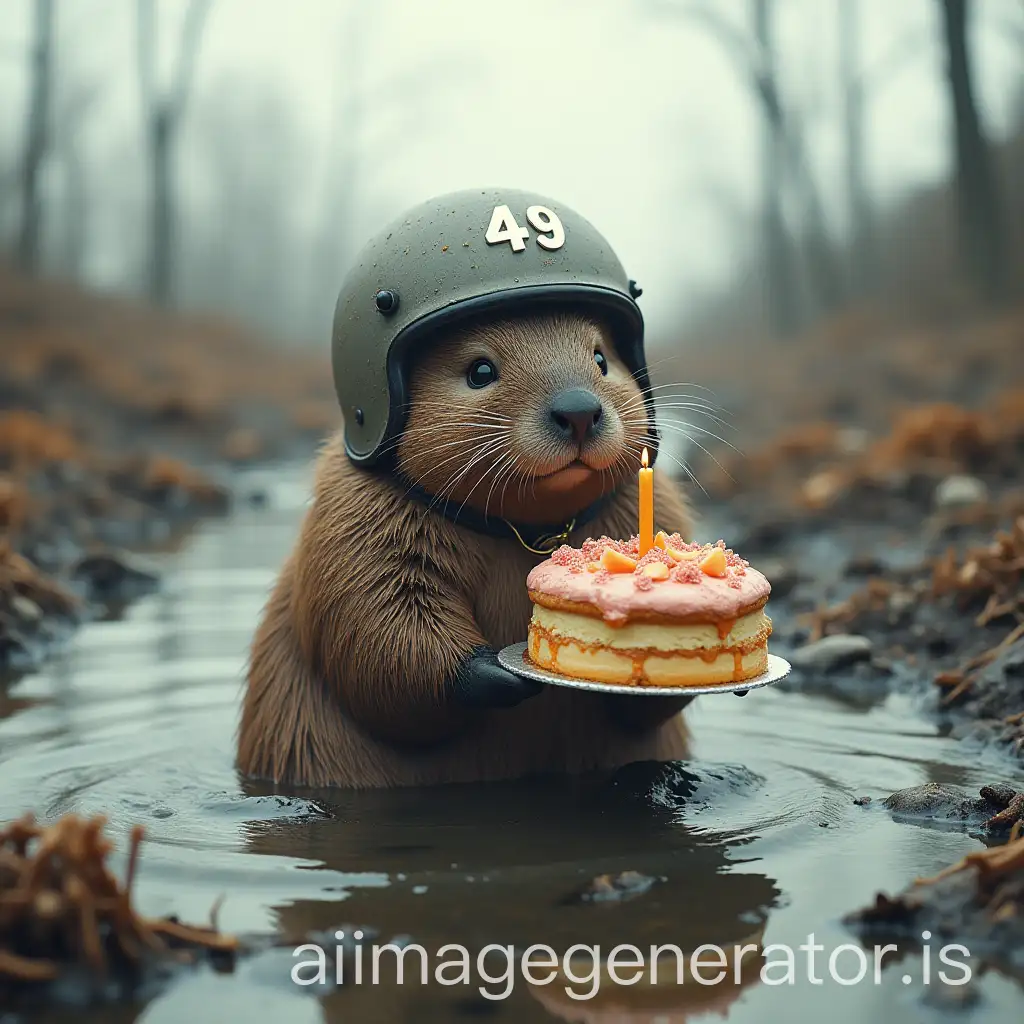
x=374, y=663
x=495, y=401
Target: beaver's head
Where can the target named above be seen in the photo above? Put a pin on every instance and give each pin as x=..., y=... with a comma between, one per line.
x=531, y=419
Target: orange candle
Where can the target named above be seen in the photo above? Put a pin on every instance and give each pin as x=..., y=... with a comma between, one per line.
x=646, y=506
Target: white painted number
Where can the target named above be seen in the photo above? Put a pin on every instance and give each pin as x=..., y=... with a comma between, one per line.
x=504, y=228
x=546, y=221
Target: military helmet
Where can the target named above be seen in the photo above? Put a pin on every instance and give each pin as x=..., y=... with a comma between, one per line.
x=456, y=257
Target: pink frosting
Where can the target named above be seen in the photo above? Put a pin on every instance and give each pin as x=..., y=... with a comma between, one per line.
x=686, y=592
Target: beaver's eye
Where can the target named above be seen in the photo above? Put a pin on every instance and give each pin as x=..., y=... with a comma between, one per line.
x=602, y=363
x=481, y=373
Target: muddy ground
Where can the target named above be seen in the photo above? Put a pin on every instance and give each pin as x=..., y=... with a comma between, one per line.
x=118, y=430
x=891, y=525
x=898, y=562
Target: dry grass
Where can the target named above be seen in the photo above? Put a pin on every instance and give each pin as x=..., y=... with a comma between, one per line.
x=990, y=864
x=992, y=573
x=20, y=578
x=860, y=394
x=28, y=440
x=61, y=907
x=14, y=504
x=198, y=372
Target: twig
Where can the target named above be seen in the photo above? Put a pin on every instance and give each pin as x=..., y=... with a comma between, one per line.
x=55, y=886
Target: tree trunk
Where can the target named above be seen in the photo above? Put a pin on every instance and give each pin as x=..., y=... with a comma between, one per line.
x=37, y=133
x=162, y=113
x=161, y=206
x=981, y=228
x=782, y=298
x=75, y=228
x=861, y=228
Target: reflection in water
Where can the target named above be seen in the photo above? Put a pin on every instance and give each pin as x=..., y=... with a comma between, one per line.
x=137, y=721
x=504, y=864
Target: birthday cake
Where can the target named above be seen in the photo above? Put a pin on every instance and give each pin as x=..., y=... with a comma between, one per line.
x=681, y=614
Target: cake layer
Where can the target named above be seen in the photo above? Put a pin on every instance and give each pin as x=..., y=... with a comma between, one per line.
x=588, y=630
x=616, y=597
x=645, y=667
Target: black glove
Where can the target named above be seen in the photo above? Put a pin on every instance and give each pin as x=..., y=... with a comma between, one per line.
x=481, y=683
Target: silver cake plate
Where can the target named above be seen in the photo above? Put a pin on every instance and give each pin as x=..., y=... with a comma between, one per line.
x=515, y=659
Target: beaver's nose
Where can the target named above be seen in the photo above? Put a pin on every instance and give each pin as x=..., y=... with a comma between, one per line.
x=576, y=414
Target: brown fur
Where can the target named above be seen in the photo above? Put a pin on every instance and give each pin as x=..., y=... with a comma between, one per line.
x=383, y=597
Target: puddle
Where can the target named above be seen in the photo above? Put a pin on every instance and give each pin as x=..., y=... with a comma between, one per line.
x=757, y=837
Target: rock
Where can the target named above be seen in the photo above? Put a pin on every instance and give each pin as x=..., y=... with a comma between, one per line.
x=862, y=801
x=853, y=440
x=959, y=490
x=997, y=807
x=25, y=608
x=864, y=565
x=623, y=886
x=998, y=688
x=242, y=445
x=113, y=576
x=15, y=655
x=1000, y=794
x=832, y=652
x=782, y=575
x=976, y=903
x=951, y=999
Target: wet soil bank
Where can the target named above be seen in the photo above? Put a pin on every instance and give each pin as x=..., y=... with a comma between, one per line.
x=117, y=427
x=886, y=506
x=881, y=489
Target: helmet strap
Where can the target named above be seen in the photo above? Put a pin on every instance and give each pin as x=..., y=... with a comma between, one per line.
x=538, y=539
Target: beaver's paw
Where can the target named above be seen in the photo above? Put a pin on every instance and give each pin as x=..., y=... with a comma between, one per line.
x=483, y=684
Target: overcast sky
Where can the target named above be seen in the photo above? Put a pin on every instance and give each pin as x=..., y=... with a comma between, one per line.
x=629, y=113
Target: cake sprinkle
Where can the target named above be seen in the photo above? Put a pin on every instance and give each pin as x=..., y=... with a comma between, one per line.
x=688, y=570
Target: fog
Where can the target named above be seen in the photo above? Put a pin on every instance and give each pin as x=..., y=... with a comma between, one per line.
x=311, y=123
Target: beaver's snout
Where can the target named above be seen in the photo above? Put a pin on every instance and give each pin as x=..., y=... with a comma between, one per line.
x=576, y=414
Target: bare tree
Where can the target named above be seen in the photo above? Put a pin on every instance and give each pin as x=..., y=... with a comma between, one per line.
x=332, y=240
x=862, y=246
x=781, y=278
x=785, y=167
x=163, y=111
x=37, y=132
x=71, y=110
x=982, y=231
x=241, y=239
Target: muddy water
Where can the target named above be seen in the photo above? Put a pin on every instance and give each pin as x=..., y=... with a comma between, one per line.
x=757, y=839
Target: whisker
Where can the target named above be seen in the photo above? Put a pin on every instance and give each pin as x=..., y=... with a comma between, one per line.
x=681, y=426
x=699, y=410
x=456, y=407
x=508, y=480
x=459, y=442
x=444, y=430
x=447, y=428
x=446, y=492
x=684, y=465
x=659, y=400
x=470, y=458
x=650, y=389
x=694, y=441
x=490, y=446
x=509, y=464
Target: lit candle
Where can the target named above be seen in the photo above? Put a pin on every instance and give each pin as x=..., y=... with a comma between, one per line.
x=646, y=506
